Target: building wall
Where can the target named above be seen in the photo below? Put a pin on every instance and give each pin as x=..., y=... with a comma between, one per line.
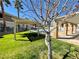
x=62, y=30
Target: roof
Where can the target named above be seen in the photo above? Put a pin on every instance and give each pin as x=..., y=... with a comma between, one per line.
x=24, y=21
x=20, y=20
x=72, y=18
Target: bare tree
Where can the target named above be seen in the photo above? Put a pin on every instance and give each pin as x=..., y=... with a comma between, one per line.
x=47, y=11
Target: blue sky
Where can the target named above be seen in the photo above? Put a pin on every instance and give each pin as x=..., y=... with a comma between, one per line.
x=13, y=11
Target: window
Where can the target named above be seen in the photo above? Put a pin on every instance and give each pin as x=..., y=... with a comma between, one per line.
x=62, y=28
x=62, y=25
x=0, y=15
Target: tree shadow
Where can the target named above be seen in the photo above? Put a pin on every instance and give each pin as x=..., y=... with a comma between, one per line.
x=21, y=40
x=72, y=53
x=72, y=37
x=33, y=36
x=67, y=53
x=1, y=37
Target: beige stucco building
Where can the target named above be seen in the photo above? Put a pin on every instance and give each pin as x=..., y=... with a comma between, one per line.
x=66, y=26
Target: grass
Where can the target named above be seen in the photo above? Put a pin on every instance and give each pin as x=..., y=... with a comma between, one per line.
x=23, y=48
x=15, y=49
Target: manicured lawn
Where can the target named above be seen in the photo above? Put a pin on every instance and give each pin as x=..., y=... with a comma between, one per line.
x=23, y=48
x=20, y=48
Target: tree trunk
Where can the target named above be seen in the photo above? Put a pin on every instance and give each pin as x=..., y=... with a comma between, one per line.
x=18, y=26
x=4, y=22
x=48, y=44
x=38, y=30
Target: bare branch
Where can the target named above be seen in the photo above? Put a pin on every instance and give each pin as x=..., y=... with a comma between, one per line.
x=40, y=25
x=35, y=10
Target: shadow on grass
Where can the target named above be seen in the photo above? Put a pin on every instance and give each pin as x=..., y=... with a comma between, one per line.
x=33, y=36
x=21, y=40
x=1, y=37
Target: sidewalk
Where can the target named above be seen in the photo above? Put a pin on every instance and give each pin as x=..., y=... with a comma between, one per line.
x=72, y=41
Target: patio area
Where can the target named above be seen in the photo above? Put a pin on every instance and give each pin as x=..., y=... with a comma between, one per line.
x=67, y=27
x=74, y=41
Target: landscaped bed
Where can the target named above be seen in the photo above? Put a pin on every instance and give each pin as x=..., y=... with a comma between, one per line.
x=23, y=48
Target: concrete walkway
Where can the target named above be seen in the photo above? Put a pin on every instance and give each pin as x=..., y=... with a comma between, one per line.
x=75, y=42
x=72, y=41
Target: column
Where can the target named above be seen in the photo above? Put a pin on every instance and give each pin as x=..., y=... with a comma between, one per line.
x=66, y=28
x=75, y=28
x=56, y=29
x=72, y=28
x=14, y=30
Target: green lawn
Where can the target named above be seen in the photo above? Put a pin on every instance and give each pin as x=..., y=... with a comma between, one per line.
x=22, y=48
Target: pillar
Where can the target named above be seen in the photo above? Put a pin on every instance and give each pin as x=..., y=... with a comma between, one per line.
x=75, y=28
x=66, y=28
x=56, y=29
x=72, y=28
x=14, y=30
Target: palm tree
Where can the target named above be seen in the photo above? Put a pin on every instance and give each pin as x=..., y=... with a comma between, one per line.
x=7, y=2
x=18, y=6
